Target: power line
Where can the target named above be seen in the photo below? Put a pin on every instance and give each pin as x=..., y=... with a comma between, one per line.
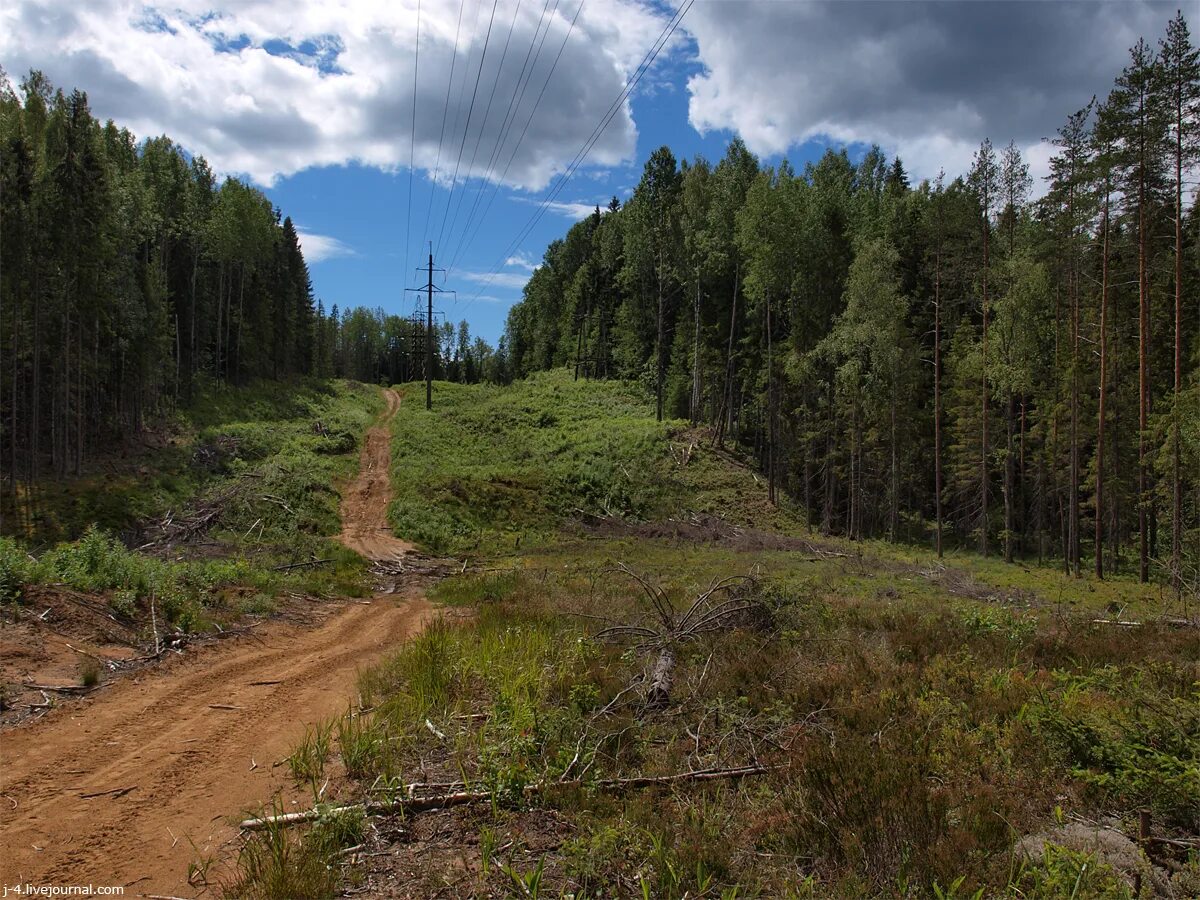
x=487, y=111
x=647, y=61
x=445, y=113
x=429, y=288
x=524, y=131
x=466, y=128
x=412, y=145
x=511, y=113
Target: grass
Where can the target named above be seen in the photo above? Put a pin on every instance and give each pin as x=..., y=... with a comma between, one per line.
x=226, y=432
x=490, y=465
x=298, y=865
x=915, y=743
x=921, y=718
x=260, y=450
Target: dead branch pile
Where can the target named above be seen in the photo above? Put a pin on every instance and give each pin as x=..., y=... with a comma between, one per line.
x=213, y=454
x=725, y=603
x=178, y=527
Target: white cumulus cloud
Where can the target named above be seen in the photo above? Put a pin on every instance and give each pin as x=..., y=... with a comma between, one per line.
x=318, y=247
x=267, y=89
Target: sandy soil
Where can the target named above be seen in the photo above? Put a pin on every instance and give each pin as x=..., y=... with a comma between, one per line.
x=364, y=503
x=145, y=778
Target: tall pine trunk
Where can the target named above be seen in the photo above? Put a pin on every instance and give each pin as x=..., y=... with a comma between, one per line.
x=1100, y=417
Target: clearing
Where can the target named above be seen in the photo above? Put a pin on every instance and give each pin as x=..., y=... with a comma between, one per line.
x=885, y=724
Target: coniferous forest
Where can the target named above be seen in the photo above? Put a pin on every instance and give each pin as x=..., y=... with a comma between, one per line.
x=950, y=361
x=821, y=529
x=132, y=273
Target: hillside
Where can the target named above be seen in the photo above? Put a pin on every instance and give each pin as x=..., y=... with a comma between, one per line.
x=874, y=722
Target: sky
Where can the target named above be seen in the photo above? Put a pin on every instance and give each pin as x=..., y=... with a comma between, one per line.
x=380, y=127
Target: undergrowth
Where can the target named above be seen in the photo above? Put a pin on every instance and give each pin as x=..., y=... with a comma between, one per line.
x=270, y=454
x=489, y=464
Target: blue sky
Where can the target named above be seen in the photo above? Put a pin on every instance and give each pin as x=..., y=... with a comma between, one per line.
x=313, y=101
x=364, y=210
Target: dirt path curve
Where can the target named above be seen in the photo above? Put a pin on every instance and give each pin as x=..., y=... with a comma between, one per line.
x=191, y=762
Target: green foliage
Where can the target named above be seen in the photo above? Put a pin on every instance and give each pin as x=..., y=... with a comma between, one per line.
x=1131, y=740
x=278, y=863
x=124, y=603
x=307, y=760
x=1065, y=874
x=15, y=570
x=489, y=464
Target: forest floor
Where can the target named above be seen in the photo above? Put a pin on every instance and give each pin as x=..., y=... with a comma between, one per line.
x=141, y=782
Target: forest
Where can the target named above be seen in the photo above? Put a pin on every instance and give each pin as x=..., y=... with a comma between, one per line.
x=952, y=361
x=132, y=274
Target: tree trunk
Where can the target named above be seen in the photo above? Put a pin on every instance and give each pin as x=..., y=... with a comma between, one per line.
x=658, y=391
x=1143, y=386
x=727, y=394
x=1099, y=561
x=770, y=412
x=1009, y=476
x=983, y=466
x=661, y=680
x=1073, y=491
x=937, y=394
x=1176, y=412
x=696, y=353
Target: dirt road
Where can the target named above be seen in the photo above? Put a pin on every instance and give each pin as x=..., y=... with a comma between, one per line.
x=135, y=785
x=365, y=502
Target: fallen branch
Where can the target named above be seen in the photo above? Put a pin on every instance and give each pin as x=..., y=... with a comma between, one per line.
x=459, y=798
x=115, y=792
x=704, y=614
x=302, y=565
x=61, y=688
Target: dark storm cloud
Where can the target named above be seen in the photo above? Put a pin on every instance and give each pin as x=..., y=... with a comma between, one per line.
x=930, y=79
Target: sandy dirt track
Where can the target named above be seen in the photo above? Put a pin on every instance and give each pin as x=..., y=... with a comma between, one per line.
x=193, y=764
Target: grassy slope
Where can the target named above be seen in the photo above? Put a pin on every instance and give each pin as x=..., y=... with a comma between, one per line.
x=256, y=447
x=490, y=463
x=923, y=719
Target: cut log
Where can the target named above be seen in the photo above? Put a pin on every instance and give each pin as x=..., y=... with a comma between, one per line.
x=663, y=677
x=459, y=798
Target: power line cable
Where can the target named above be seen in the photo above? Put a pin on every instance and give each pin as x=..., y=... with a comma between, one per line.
x=466, y=128
x=412, y=145
x=486, y=115
x=647, y=61
x=518, y=96
x=445, y=113
x=517, y=146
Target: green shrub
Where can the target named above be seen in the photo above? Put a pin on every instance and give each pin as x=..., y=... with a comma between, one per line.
x=124, y=603
x=1137, y=744
x=99, y=562
x=1065, y=873
x=15, y=570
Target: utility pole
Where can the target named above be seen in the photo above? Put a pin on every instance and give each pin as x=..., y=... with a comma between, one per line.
x=429, y=334
x=429, y=288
